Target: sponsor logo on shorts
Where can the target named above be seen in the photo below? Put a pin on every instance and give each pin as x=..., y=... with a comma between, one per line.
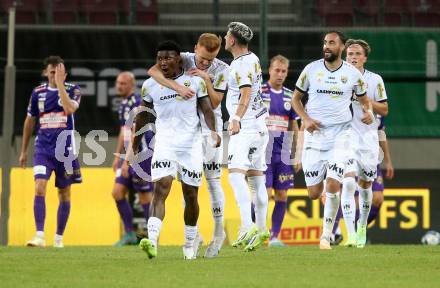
x=211, y=166
x=336, y=169
x=311, y=173
x=192, y=174
x=368, y=173
x=161, y=164
x=285, y=177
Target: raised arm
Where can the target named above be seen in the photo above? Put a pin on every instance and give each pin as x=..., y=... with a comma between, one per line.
x=28, y=128
x=216, y=97
x=69, y=105
x=157, y=75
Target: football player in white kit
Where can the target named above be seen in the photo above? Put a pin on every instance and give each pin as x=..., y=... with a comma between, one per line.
x=249, y=136
x=203, y=63
x=365, y=147
x=178, y=146
x=330, y=84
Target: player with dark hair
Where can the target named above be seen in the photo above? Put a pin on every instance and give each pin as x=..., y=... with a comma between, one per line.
x=214, y=72
x=126, y=177
x=330, y=83
x=52, y=106
x=178, y=143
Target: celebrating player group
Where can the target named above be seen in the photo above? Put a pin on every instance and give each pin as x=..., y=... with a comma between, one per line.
x=174, y=130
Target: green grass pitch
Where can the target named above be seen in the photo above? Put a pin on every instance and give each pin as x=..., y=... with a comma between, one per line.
x=374, y=266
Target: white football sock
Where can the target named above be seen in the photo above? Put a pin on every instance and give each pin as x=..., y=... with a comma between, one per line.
x=190, y=233
x=241, y=191
x=154, y=225
x=217, y=205
x=330, y=210
x=40, y=234
x=258, y=187
x=348, y=204
x=365, y=199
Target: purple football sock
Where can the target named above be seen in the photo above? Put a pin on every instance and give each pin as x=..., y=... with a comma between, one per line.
x=126, y=214
x=277, y=217
x=39, y=212
x=146, y=209
x=337, y=218
x=62, y=216
x=253, y=212
x=373, y=213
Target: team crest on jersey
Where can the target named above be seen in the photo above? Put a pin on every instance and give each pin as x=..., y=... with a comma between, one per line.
x=287, y=106
x=187, y=83
x=344, y=79
x=59, y=103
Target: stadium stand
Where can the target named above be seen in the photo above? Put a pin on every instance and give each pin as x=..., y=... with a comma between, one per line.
x=336, y=12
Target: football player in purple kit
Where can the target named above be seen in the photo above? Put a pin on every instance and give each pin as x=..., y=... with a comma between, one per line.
x=280, y=123
x=126, y=177
x=52, y=106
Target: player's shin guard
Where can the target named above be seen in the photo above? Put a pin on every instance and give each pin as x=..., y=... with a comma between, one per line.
x=154, y=225
x=39, y=212
x=217, y=205
x=62, y=216
x=348, y=204
x=241, y=192
x=365, y=199
x=330, y=210
x=258, y=188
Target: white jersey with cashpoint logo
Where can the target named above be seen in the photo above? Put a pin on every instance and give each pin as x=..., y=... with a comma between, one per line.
x=327, y=150
x=365, y=137
x=218, y=71
x=178, y=142
x=247, y=149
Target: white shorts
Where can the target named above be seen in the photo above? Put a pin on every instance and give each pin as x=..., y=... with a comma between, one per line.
x=212, y=158
x=247, y=150
x=329, y=163
x=185, y=165
x=364, y=164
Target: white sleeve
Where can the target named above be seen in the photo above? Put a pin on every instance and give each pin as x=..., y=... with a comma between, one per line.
x=145, y=92
x=380, y=94
x=243, y=75
x=303, y=83
x=220, y=79
x=202, y=91
x=359, y=87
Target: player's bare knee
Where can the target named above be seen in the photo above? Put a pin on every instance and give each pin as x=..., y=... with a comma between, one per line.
x=281, y=195
x=145, y=197
x=332, y=185
x=162, y=188
x=377, y=199
x=40, y=187
x=364, y=184
x=64, y=194
x=118, y=192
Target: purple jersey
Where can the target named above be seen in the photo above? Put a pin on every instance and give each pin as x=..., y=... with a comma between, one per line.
x=280, y=113
x=45, y=106
x=127, y=105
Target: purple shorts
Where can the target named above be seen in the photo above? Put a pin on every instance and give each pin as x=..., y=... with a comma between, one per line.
x=44, y=165
x=378, y=182
x=279, y=176
x=134, y=181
